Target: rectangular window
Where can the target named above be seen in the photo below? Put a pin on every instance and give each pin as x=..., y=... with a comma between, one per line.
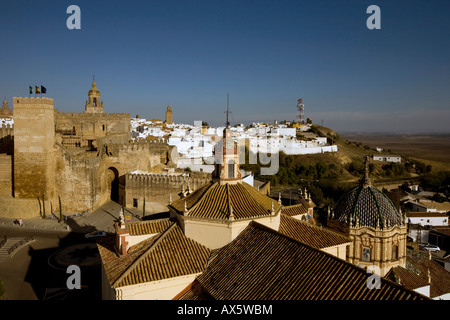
x=366, y=254
x=230, y=170
x=135, y=203
x=394, y=252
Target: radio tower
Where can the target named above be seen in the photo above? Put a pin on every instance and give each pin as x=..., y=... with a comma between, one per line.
x=300, y=111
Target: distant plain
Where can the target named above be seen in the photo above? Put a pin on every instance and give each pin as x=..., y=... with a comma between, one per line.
x=432, y=148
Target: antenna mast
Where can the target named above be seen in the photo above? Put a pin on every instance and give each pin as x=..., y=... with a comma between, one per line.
x=300, y=111
x=227, y=112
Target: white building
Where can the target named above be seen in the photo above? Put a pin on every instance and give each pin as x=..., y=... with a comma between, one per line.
x=388, y=158
x=427, y=218
x=195, y=144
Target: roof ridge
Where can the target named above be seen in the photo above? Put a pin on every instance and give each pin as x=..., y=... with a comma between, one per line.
x=247, y=189
x=230, y=206
x=316, y=227
x=202, y=197
x=128, y=270
x=293, y=205
x=260, y=226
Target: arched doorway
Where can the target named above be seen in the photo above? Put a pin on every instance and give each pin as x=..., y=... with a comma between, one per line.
x=113, y=182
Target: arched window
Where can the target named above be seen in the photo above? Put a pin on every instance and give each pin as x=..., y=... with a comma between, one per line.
x=95, y=102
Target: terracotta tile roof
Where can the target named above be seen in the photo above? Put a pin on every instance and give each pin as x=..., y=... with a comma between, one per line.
x=425, y=214
x=215, y=201
x=294, y=210
x=406, y=278
x=309, y=234
x=263, y=264
x=148, y=227
x=166, y=255
x=419, y=263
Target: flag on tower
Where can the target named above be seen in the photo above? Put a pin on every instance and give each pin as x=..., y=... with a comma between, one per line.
x=43, y=89
x=31, y=90
x=38, y=91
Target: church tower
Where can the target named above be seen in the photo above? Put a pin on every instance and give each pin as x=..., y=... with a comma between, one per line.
x=94, y=105
x=169, y=117
x=226, y=157
x=226, y=169
x=377, y=230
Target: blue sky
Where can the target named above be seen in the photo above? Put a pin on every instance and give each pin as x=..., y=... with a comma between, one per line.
x=265, y=54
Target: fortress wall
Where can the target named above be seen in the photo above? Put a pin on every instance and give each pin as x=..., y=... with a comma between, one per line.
x=80, y=183
x=95, y=125
x=156, y=187
x=6, y=138
x=5, y=174
x=19, y=208
x=6, y=130
x=34, y=138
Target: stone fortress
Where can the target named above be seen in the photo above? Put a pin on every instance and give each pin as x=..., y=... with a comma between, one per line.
x=80, y=160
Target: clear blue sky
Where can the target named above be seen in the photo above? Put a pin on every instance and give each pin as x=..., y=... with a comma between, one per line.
x=266, y=54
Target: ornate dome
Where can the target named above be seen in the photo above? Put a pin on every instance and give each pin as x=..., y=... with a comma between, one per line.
x=366, y=206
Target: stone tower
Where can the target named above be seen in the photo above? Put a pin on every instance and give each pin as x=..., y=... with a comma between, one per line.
x=94, y=105
x=169, y=118
x=34, y=140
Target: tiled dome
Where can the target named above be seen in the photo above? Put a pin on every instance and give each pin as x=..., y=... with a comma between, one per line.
x=224, y=202
x=366, y=206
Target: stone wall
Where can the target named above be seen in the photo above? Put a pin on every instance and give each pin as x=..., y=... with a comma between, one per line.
x=5, y=174
x=159, y=187
x=6, y=138
x=34, y=137
x=80, y=129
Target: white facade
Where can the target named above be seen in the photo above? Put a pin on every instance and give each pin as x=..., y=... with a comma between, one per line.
x=195, y=144
x=165, y=289
x=215, y=234
x=427, y=219
x=387, y=158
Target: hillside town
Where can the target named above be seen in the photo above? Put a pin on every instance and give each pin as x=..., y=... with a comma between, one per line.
x=163, y=211
x=195, y=143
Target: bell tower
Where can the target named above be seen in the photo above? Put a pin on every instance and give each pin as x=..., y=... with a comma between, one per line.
x=169, y=116
x=94, y=105
x=226, y=169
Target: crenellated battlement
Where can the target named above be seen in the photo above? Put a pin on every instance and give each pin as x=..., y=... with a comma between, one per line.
x=32, y=100
x=119, y=115
x=6, y=130
x=90, y=115
x=7, y=126
x=139, y=145
x=135, y=179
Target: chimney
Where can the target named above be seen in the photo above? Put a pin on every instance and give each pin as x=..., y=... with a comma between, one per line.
x=121, y=238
